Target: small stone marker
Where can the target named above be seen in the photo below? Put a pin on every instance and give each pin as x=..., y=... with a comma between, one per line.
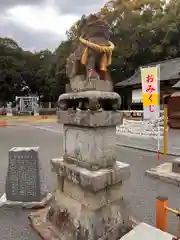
x=25, y=181
x=9, y=109
x=176, y=165
x=168, y=172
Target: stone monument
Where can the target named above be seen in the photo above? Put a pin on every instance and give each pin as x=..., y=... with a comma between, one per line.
x=9, y=109
x=36, y=108
x=25, y=185
x=88, y=202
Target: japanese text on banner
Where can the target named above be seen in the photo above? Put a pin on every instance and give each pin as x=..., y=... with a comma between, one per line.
x=150, y=91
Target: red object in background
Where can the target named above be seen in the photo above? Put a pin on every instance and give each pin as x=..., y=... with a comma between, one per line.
x=158, y=155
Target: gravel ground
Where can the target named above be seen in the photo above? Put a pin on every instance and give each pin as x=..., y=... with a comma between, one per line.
x=140, y=191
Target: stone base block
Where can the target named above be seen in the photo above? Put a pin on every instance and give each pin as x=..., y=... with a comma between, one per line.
x=176, y=165
x=91, y=180
x=78, y=83
x=164, y=172
x=92, y=201
x=67, y=219
x=89, y=118
x=43, y=203
x=92, y=148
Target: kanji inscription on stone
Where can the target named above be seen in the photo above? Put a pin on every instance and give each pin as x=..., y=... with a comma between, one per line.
x=24, y=182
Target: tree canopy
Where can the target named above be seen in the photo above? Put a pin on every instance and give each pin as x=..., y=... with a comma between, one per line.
x=143, y=31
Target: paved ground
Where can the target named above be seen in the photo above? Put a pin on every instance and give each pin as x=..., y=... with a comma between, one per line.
x=146, y=143
x=140, y=191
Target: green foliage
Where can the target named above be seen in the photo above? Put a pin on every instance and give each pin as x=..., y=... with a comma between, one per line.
x=23, y=72
x=143, y=31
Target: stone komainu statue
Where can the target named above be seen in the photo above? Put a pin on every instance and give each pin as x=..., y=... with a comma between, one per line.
x=93, y=55
x=87, y=67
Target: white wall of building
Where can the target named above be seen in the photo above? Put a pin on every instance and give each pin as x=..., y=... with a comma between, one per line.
x=137, y=96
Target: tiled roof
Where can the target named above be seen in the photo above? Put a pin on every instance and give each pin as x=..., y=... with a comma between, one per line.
x=176, y=94
x=169, y=69
x=177, y=85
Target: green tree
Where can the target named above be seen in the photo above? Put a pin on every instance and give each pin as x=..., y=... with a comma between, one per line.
x=22, y=72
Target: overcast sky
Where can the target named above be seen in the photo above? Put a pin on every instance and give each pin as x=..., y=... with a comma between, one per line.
x=41, y=24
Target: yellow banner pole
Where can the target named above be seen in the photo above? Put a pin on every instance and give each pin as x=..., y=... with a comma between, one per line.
x=165, y=124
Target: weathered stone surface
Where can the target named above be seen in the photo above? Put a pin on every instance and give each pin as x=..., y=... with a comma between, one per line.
x=93, y=54
x=28, y=205
x=89, y=118
x=48, y=231
x=25, y=180
x=90, y=100
x=89, y=199
x=91, y=180
x=145, y=231
x=176, y=165
x=164, y=172
x=93, y=148
x=73, y=219
x=79, y=83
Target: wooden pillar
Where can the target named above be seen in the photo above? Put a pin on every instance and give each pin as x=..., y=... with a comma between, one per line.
x=162, y=213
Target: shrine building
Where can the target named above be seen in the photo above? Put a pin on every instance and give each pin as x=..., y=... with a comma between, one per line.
x=131, y=89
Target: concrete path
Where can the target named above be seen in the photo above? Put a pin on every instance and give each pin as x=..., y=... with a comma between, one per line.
x=134, y=141
x=140, y=191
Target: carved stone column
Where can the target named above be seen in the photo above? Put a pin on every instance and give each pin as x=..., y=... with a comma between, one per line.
x=88, y=200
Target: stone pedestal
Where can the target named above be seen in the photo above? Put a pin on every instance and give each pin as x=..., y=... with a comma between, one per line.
x=88, y=201
x=90, y=138
x=92, y=148
x=25, y=184
x=80, y=83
